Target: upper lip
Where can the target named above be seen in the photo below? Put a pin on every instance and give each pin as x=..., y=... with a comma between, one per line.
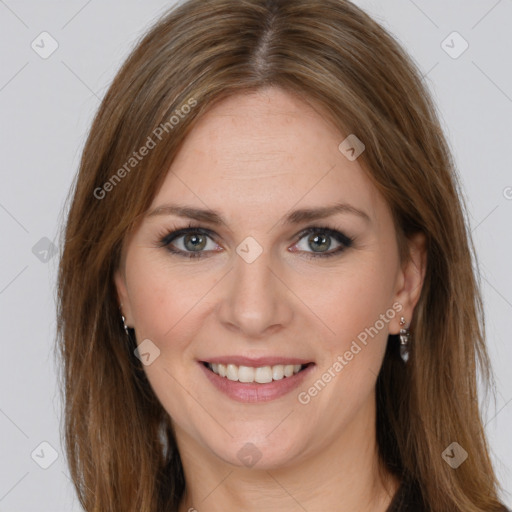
x=256, y=361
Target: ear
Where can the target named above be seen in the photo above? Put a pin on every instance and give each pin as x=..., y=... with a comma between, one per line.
x=122, y=295
x=410, y=280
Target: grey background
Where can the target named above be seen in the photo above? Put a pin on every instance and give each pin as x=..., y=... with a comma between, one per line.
x=46, y=109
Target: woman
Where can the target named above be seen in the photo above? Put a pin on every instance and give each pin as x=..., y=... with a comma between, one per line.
x=266, y=294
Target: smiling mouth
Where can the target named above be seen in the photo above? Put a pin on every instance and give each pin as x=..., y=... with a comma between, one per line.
x=259, y=375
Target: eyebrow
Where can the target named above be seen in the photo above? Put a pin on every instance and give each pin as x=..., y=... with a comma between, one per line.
x=294, y=217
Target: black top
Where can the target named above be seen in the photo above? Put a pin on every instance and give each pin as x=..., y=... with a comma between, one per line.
x=408, y=498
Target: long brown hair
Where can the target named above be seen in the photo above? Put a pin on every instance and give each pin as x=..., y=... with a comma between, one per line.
x=120, y=444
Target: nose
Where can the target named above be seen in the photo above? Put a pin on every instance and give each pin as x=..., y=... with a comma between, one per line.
x=255, y=300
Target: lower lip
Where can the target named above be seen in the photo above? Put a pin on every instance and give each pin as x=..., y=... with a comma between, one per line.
x=254, y=392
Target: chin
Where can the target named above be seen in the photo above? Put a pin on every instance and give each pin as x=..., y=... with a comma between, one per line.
x=258, y=452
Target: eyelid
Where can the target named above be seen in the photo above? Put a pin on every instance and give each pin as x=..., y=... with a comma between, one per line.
x=171, y=235
x=335, y=233
x=166, y=238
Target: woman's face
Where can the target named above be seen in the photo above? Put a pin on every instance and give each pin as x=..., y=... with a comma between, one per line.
x=277, y=277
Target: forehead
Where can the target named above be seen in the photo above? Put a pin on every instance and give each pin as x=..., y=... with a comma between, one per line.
x=262, y=153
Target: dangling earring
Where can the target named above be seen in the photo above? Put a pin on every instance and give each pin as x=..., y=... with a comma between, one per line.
x=405, y=337
x=124, y=322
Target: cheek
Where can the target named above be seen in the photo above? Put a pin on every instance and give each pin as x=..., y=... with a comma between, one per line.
x=167, y=307
x=357, y=308
x=166, y=300
x=350, y=300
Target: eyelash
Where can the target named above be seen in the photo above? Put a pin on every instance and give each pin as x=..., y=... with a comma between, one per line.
x=167, y=237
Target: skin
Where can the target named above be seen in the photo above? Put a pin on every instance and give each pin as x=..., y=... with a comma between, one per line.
x=254, y=158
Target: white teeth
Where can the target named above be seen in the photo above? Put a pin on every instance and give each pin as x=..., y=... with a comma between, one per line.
x=232, y=372
x=262, y=374
x=245, y=374
x=278, y=372
x=288, y=370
